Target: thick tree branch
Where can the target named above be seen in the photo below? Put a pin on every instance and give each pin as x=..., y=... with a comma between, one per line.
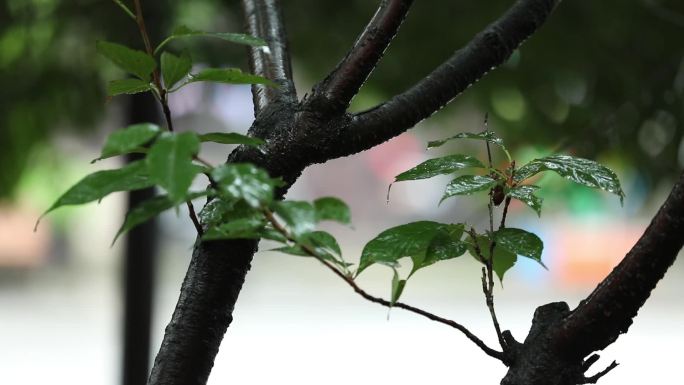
x=484, y=52
x=608, y=311
x=340, y=86
x=264, y=19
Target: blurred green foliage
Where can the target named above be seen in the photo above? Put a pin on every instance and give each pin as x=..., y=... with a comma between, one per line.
x=599, y=76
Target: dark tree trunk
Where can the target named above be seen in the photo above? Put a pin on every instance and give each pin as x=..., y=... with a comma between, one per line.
x=138, y=267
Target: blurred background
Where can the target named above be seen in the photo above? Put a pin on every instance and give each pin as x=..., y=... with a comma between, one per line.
x=602, y=80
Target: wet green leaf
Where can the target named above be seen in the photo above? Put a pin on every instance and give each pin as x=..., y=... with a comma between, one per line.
x=445, y=245
x=128, y=86
x=128, y=139
x=439, y=166
x=526, y=195
x=468, y=184
x=174, y=68
x=245, y=181
x=583, y=171
x=323, y=245
x=238, y=38
x=99, y=184
x=332, y=209
x=322, y=242
x=413, y=240
x=520, y=242
x=229, y=76
x=169, y=162
x=503, y=259
x=299, y=216
x=232, y=220
x=398, y=286
x=241, y=228
x=272, y=234
x=132, y=61
x=231, y=138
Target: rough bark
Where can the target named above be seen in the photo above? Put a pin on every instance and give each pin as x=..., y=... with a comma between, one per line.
x=297, y=135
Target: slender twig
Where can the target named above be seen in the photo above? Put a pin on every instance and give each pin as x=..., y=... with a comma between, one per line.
x=488, y=279
x=350, y=281
x=125, y=9
x=156, y=78
x=340, y=86
x=163, y=100
x=203, y=161
x=193, y=217
x=508, y=198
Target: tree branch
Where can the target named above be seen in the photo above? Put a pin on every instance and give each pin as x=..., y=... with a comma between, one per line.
x=608, y=311
x=264, y=19
x=484, y=52
x=340, y=86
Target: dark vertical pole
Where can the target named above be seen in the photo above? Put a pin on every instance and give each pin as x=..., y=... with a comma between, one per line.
x=139, y=267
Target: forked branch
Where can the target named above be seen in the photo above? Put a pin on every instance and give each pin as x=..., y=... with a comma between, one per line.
x=487, y=50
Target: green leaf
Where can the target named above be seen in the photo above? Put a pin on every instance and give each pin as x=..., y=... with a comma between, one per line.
x=217, y=211
x=245, y=181
x=183, y=31
x=128, y=86
x=397, y=287
x=169, y=162
x=411, y=240
x=272, y=234
x=445, y=245
x=503, y=259
x=488, y=136
x=230, y=76
x=99, y=184
x=232, y=220
x=299, y=216
x=520, y=242
x=242, y=228
x=439, y=166
x=174, y=68
x=468, y=184
x=332, y=209
x=526, y=195
x=583, y=171
x=129, y=139
x=322, y=242
x=132, y=61
x=296, y=250
x=231, y=138
x=148, y=210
